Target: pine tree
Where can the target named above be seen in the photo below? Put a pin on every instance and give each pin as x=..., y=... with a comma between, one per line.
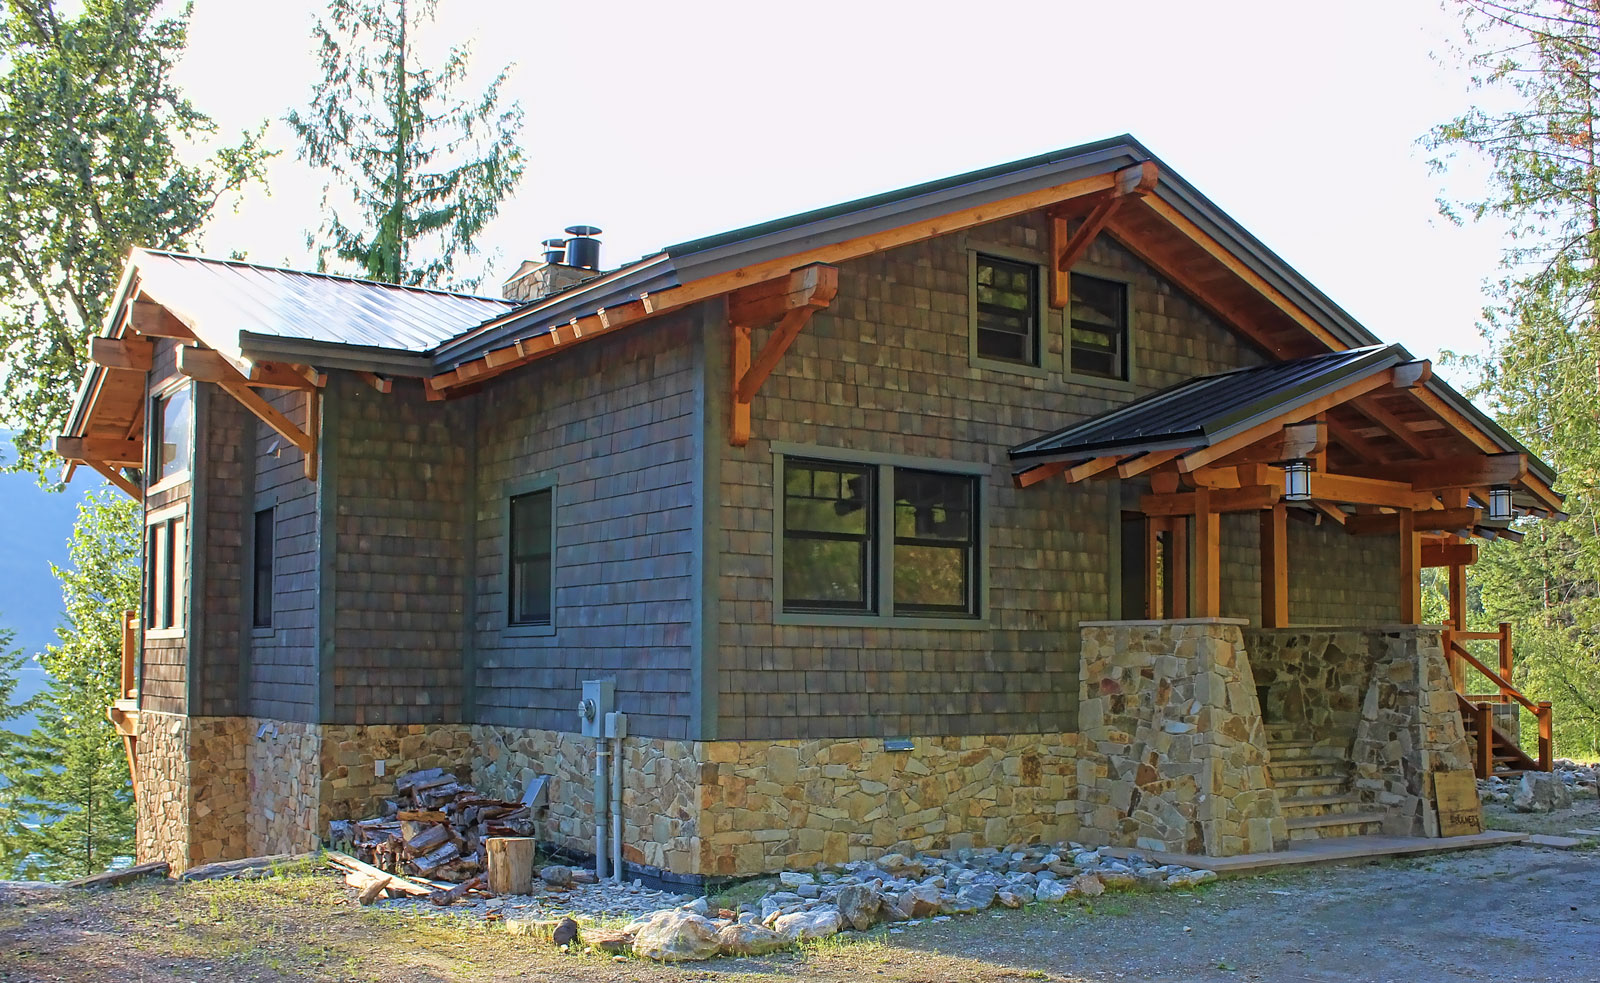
x=1542, y=372
x=71, y=774
x=425, y=171
x=90, y=120
x=12, y=818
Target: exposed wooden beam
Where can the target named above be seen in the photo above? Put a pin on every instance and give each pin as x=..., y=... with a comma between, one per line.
x=1411, y=374
x=1295, y=440
x=1218, y=500
x=1449, y=554
x=739, y=364
x=1216, y=452
x=1351, y=490
x=115, y=476
x=810, y=286
x=1088, y=469
x=1356, y=444
x=1458, y=588
x=1453, y=473
x=1275, y=567
x=793, y=302
x=1432, y=520
x=154, y=321
x=106, y=450
x=1032, y=476
x=1068, y=246
x=204, y=365
x=1410, y=570
x=1392, y=425
x=313, y=375
x=1207, y=556
x=381, y=383
x=1140, y=463
x=280, y=375
x=133, y=353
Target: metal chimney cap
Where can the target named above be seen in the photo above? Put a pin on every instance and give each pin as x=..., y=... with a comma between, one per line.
x=553, y=243
x=582, y=230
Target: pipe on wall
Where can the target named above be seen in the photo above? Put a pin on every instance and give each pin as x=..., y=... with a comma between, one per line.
x=601, y=781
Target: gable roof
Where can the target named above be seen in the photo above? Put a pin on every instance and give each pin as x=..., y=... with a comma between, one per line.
x=1202, y=411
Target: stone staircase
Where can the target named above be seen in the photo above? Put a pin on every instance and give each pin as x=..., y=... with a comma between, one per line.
x=1314, y=789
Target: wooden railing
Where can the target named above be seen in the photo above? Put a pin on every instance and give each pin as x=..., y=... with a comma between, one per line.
x=124, y=712
x=130, y=655
x=1478, y=708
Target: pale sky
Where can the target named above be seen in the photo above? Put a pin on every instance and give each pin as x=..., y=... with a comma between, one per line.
x=663, y=122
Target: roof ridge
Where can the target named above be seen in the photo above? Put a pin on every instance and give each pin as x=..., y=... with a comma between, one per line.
x=361, y=281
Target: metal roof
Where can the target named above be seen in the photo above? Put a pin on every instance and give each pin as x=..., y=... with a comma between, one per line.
x=228, y=298
x=1199, y=411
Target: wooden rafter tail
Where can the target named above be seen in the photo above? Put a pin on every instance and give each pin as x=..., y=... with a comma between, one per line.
x=792, y=301
x=1195, y=460
x=152, y=320
x=1032, y=476
x=1392, y=425
x=280, y=375
x=133, y=354
x=114, y=451
x=1140, y=463
x=1088, y=469
x=1068, y=246
x=381, y=383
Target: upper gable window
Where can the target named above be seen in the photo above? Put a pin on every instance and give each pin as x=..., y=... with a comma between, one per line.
x=1006, y=311
x=171, y=435
x=1099, y=331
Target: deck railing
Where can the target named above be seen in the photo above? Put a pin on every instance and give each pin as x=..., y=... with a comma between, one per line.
x=124, y=712
x=1478, y=708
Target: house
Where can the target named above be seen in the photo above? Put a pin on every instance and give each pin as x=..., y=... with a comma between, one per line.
x=1040, y=502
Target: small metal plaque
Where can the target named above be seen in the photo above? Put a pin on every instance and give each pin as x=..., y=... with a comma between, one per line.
x=897, y=744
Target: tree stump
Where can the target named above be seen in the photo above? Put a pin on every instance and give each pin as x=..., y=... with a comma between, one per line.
x=510, y=864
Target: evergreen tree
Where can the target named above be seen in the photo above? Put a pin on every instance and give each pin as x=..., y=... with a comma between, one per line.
x=71, y=774
x=11, y=818
x=424, y=170
x=1541, y=58
x=89, y=120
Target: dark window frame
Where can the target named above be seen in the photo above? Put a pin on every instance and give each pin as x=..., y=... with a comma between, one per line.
x=1033, y=338
x=866, y=542
x=166, y=571
x=1121, y=352
x=515, y=620
x=969, y=548
x=263, y=573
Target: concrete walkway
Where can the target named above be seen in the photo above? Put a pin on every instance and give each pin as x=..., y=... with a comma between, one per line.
x=1333, y=850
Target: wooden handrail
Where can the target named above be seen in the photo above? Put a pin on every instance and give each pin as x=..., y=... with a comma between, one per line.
x=1505, y=686
x=130, y=655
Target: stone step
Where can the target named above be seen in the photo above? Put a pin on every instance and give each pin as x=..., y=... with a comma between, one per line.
x=1322, y=804
x=1311, y=785
x=1309, y=767
x=1327, y=827
x=1295, y=750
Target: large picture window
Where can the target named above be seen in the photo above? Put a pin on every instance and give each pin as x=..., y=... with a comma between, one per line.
x=262, y=575
x=1006, y=311
x=841, y=551
x=1099, y=332
x=530, y=573
x=171, y=434
x=166, y=568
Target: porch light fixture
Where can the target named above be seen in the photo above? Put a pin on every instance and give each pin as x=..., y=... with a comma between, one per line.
x=1500, y=504
x=1297, y=481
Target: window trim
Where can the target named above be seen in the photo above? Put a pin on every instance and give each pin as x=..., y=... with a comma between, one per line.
x=179, y=598
x=1047, y=322
x=516, y=489
x=153, y=430
x=1126, y=382
x=885, y=616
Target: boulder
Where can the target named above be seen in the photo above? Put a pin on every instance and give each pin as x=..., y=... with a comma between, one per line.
x=566, y=930
x=609, y=940
x=1009, y=898
x=699, y=906
x=818, y=924
x=921, y=901
x=981, y=894
x=556, y=875
x=1541, y=792
x=1190, y=878
x=1052, y=891
x=675, y=935
x=859, y=906
x=791, y=879
x=746, y=939
x=1086, y=886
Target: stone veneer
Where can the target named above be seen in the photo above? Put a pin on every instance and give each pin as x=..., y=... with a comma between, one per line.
x=1174, y=752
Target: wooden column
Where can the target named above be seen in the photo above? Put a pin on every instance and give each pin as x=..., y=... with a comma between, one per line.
x=1275, y=567
x=1153, y=527
x=1178, y=565
x=1458, y=596
x=1207, y=557
x=1410, y=570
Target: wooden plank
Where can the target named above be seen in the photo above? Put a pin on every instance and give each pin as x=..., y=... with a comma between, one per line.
x=402, y=884
x=154, y=321
x=1088, y=469
x=132, y=354
x=815, y=285
x=1351, y=490
x=1431, y=520
x=1207, y=556
x=1410, y=570
x=1275, y=566
x=1032, y=476
x=1248, y=499
x=1140, y=463
x=739, y=359
x=1449, y=554
x=107, y=450
x=1392, y=425
x=126, y=875
x=1455, y=796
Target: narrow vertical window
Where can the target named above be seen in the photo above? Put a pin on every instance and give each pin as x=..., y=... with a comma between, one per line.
x=166, y=571
x=262, y=581
x=828, y=548
x=532, y=523
x=1006, y=318
x=1099, y=332
x=935, y=543
x=172, y=428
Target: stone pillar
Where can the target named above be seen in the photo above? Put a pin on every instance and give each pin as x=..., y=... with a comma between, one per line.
x=1173, y=754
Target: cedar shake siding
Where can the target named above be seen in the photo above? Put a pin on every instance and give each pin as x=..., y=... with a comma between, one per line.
x=612, y=425
x=887, y=369
x=283, y=658
x=400, y=467
x=164, y=676
x=224, y=477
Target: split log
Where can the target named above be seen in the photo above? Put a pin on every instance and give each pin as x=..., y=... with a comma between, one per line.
x=396, y=883
x=370, y=893
x=249, y=867
x=510, y=864
x=450, y=897
x=424, y=839
x=428, y=862
x=126, y=875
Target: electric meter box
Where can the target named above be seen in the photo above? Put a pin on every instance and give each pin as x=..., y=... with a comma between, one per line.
x=599, y=699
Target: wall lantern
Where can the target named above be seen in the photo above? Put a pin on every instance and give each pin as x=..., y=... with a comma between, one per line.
x=1500, y=505
x=1297, y=481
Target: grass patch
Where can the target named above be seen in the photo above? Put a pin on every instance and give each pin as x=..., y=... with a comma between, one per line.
x=745, y=892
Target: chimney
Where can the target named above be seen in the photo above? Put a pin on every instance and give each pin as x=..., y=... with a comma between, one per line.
x=567, y=263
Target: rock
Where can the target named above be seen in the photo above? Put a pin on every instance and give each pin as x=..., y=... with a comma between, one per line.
x=817, y=924
x=809, y=891
x=1115, y=878
x=1190, y=878
x=1541, y=792
x=791, y=879
x=556, y=875
x=585, y=876
x=982, y=894
x=957, y=904
x=609, y=940
x=1086, y=886
x=566, y=930
x=921, y=901
x=675, y=935
x=1052, y=891
x=699, y=906
x=1009, y=898
x=745, y=939
x=859, y=905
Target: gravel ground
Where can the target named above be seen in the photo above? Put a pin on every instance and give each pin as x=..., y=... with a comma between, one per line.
x=1511, y=912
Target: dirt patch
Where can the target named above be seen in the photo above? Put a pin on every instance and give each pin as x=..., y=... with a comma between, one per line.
x=1528, y=912
x=1584, y=814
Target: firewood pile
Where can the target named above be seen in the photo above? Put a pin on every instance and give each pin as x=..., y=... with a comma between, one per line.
x=433, y=828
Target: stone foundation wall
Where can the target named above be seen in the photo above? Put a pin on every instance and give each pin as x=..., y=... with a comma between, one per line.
x=281, y=765
x=1315, y=680
x=162, y=807
x=193, y=801
x=348, y=756
x=1174, y=753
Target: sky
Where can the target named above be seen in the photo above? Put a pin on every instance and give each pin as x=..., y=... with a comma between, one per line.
x=664, y=122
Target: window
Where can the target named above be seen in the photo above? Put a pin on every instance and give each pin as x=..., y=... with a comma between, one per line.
x=935, y=542
x=172, y=426
x=1006, y=311
x=1099, y=333
x=842, y=555
x=532, y=525
x=828, y=554
x=166, y=570
x=265, y=540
